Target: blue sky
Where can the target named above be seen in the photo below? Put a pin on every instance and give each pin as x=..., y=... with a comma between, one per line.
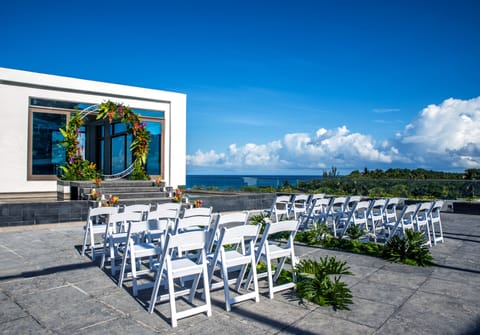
x=290, y=87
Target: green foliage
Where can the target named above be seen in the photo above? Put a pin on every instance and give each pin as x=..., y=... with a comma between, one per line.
x=320, y=282
x=355, y=232
x=313, y=236
x=409, y=250
x=258, y=219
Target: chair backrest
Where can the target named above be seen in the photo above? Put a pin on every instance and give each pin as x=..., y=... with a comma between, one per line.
x=95, y=212
x=375, y=213
x=282, y=202
x=337, y=205
x=377, y=207
x=320, y=205
x=312, y=198
x=197, y=218
x=191, y=240
x=163, y=219
x=351, y=201
x=227, y=220
x=121, y=222
x=405, y=220
x=391, y=209
x=176, y=206
x=300, y=199
x=290, y=226
x=423, y=212
x=138, y=208
x=201, y=211
x=435, y=211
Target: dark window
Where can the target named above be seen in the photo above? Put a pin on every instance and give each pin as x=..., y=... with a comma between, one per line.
x=47, y=153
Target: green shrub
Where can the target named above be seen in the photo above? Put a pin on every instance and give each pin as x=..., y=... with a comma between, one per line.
x=320, y=282
x=409, y=250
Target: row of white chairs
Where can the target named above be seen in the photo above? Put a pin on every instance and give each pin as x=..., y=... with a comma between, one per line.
x=165, y=250
x=379, y=217
x=295, y=205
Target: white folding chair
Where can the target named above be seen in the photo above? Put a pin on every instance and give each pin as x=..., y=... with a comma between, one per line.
x=421, y=221
x=320, y=208
x=136, y=251
x=267, y=250
x=172, y=266
x=227, y=220
x=160, y=221
x=434, y=219
x=280, y=207
x=336, y=209
x=299, y=205
x=375, y=215
x=356, y=216
x=96, y=223
x=115, y=237
x=233, y=260
x=406, y=220
x=350, y=203
x=390, y=212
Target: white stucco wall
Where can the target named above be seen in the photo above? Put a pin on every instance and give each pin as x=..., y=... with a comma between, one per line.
x=16, y=88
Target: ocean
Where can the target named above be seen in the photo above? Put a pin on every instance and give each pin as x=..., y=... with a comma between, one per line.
x=236, y=182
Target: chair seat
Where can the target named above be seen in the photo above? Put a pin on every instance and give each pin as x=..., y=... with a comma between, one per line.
x=184, y=267
x=146, y=249
x=277, y=251
x=234, y=258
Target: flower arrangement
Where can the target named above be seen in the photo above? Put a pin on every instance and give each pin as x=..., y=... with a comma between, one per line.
x=197, y=203
x=97, y=181
x=158, y=181
x=98, y=196
x=178, y=195
x=77, y=168
x=95, y=195
x=111, y=201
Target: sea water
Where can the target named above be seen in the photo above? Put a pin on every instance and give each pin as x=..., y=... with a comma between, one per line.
x=236, y=182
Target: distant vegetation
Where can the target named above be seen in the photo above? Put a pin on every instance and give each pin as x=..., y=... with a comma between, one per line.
x=416, y=184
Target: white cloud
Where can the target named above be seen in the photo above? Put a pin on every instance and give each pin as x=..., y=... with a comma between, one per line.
x=445, y=135
x=205, y=158
x=441, y=137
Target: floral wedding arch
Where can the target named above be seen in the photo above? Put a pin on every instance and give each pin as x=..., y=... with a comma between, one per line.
x=78, y=168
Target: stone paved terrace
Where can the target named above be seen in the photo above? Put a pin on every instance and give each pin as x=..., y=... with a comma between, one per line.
x=47, y=287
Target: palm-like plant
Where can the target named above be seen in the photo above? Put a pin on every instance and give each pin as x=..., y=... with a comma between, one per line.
x=320, y=282
x=410, y=250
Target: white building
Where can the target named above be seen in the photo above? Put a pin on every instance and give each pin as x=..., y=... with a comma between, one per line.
x=34, y=106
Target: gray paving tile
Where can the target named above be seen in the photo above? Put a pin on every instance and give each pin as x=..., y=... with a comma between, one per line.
x=405, y=280
x=382, y=292
x=24, y=326
x=319, y=323
x=10, y=311
x=467, y=292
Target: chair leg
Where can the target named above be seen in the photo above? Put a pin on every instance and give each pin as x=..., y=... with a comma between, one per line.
x=171, y=294
x=269, y=275
x=226, y=287
x=85, y=236
x=207, y=290
x=255, y=279
x=156, y=287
